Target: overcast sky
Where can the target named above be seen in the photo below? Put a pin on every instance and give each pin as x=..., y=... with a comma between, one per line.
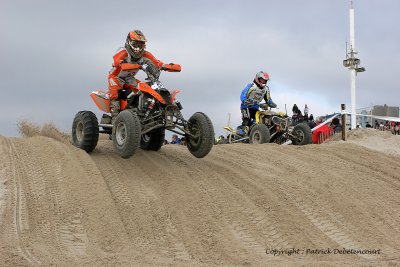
x=54, y=53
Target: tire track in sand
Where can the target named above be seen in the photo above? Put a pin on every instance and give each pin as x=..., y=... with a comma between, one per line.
x=54, y=219
x=21, y=222
x=152, y=173
x=69, y=229
x=247, y=224
x=350, y=187
x=334, y=226
x=135, y=200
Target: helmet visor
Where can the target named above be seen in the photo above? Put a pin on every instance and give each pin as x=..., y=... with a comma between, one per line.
x=262, y=81
x=136, y=44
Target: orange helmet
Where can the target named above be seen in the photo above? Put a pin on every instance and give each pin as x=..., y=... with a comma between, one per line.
x=135, y=44
x=261, y=79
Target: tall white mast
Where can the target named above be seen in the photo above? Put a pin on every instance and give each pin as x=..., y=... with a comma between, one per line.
x=352, y=70
x=352, y=63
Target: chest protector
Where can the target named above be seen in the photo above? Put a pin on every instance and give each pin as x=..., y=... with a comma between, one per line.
x=256, y=94
x=129, y=76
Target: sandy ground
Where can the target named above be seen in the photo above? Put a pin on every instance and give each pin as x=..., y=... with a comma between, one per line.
x=60, y=206
x=384, y=142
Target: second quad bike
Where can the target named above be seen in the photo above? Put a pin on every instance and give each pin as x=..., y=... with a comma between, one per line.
x=144, y=117
x=256, y=134
x=273, y=127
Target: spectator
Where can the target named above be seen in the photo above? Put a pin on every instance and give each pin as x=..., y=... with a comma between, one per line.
x=296, y=110
x=376, y=125
x=358, y=125
x=368, y=125
x=311, y=122
x=175, y=140
x=397, y=129
x=381, y=127
x=306, y=113
x=336, y=126
x=386, y=126
x=297, y=116
x=165, y=142
x=183, y=141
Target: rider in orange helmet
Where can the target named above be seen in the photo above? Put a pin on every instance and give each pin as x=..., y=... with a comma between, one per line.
x=134, y=52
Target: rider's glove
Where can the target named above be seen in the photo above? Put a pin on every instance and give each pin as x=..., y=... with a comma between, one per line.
x=264, y=106
x=249, y=102
x=272, y=105
x=151, y=70
x=165, y=66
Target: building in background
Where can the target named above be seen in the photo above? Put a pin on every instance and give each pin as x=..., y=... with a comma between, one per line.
x=377, y=110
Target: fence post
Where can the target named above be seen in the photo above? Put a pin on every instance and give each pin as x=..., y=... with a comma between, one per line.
x=344, y=127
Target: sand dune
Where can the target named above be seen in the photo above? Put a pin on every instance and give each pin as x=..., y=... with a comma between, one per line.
x=60, y=206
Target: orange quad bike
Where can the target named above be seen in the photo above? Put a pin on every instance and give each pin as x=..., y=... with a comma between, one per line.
x=144, y=117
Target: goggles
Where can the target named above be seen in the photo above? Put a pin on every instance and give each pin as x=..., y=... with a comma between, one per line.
x=136, y=44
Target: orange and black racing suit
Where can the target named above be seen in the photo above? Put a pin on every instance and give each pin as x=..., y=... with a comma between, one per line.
x=119, y=79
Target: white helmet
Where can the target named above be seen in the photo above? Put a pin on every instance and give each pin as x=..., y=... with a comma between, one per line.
x=261, y=79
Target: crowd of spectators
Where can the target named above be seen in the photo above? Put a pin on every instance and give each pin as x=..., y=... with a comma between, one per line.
x=336, y=127
x=176, y=140
x=298, y=115
x=392, y=126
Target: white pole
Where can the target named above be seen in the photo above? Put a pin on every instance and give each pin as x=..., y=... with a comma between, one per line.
x=353, y=71
x=353, y=98
x=352, y=42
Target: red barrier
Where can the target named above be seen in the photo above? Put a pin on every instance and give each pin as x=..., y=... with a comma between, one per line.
x=322, y=134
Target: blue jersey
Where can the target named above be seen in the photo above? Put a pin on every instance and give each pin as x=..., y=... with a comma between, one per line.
x=253, y=101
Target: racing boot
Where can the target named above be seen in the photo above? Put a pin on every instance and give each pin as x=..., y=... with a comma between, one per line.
x=114, y=104
x=246, y=130
x=243, y=130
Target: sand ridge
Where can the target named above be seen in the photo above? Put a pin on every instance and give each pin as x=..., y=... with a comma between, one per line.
x=61, y=206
